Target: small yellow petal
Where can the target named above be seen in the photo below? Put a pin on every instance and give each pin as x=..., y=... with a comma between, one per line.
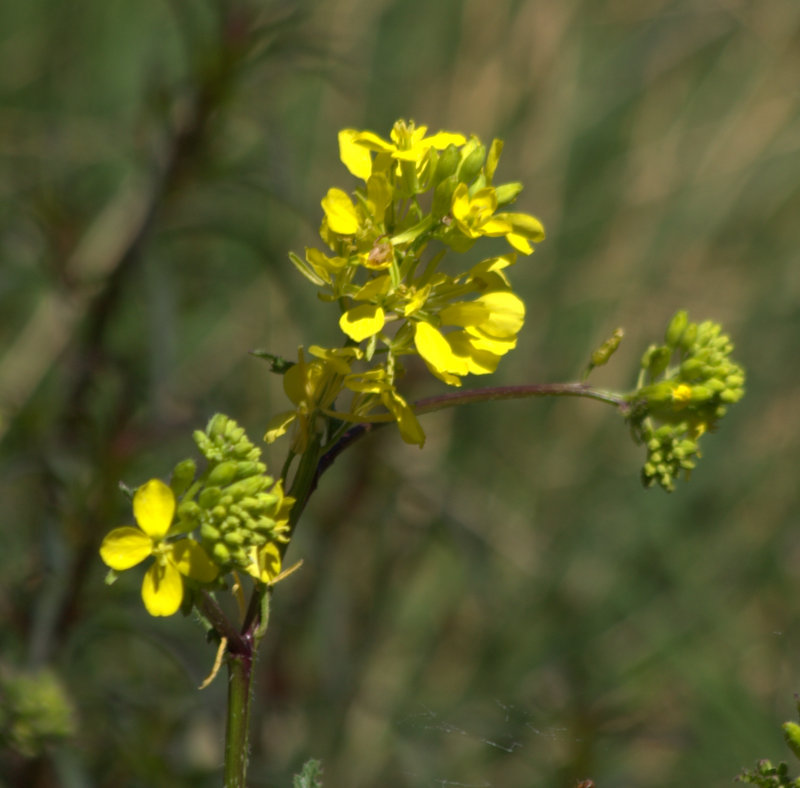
x=162, y=590
x=520, y=243
x=460, y=202
x=410, y=429
x=372, y=141
x=278, y=425
x=355, y=157
x=436, y=351
x=481, y=341
x=442, y=139
x=340, y=212
x=191, y=560
x=373, y=288
x=362, y=321
x=154, y=508
x=125, y=547
x=339, y=358
x=479, y=360
x=506, y=314
x=265, y=563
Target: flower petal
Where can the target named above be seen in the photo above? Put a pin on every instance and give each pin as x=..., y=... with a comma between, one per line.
x=278, y=425
x=154, y=508
x=265, y=562
x=438, y=354
x=125, y=547
x=410, y=429
x=340, y=212
x=191, y=560
x=355, y=157
x=362, y=321
x=506, y=314
x=162, y=590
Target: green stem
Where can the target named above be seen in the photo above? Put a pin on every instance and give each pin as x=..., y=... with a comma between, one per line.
x=431, y=404
x=303, y=483
x=240, y=676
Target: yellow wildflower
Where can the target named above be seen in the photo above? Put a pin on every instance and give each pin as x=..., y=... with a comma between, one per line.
x=125, y=547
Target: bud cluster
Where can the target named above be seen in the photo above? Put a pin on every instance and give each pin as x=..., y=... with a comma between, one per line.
x=685, y=387
x=235, y=506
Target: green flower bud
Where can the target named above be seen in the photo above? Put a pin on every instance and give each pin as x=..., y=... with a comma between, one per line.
x=222, y=555
x=216, y=426
x=731, y=395
x=243, y=448
x=473, y=154
x=209, y=533
x=692, y=368
x=223, y=474
x=689, y=337
x=182, y=477
x=657, y=394
x=701, y=393
x=656, y=360
x=233, y=432
x=239, y=556
x=735, y=381
x=234, y=538
x=247, y=468
x=676, y=328
x=506, y=193
x=209, y=497
x=250, y=486
x=791, y=732
x=607, y=349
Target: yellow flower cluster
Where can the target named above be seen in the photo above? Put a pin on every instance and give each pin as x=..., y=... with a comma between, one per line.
x=231, y=517
x=421, y=197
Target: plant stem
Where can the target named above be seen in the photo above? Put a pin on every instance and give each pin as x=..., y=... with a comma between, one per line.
x=431, y=404
x=240, y=676
x=303, y=483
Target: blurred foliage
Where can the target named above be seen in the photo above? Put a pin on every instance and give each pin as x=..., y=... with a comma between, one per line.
x=507, y=607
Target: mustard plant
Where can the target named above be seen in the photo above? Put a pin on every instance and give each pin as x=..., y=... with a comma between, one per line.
x=389, y=263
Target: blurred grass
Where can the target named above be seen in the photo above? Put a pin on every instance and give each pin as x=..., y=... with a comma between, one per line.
x=507, y=607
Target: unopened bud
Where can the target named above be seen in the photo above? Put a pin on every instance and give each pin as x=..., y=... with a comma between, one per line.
x=676, y=328
x=223, y=474
x=791, y=732
x=506, y=193
x=447, y=164
x=209, y=497
x=182, y=477
x=472, y=157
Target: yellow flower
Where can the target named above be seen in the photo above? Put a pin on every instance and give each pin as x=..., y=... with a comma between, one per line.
x=265, y=563
x=681, y=395
x=474, y=215
x=408, y=143
x=489, y=327
x=125, y=547
x=312, y=387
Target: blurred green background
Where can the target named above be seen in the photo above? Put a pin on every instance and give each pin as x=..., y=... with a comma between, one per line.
x=508, y=607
